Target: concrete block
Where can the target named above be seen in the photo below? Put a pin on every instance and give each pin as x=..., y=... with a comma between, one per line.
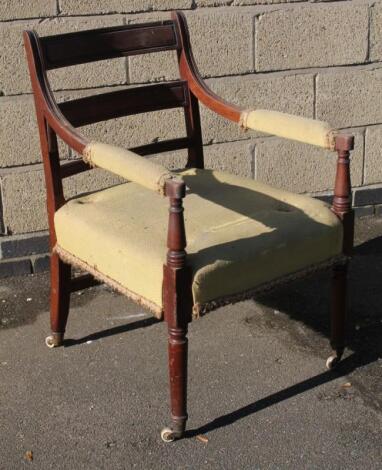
x=216, y=53
x=311, y=36
x=232, y=157
x=15, y=267
x=106, y=72
x=217, y=3
x=373, y=155
x=154, y=67
x=139, y=129
x=20, y=143
x=221, y=40
x=376, y=32
x=212, y=3
x=14, y=76
x=84, y=7
x=18, y=131
x=24, y=245
x=16, y=9
x=40, y=263
x=25, y=196
x=350, y=97
x=364, y=211
x=172, y=160
x=378, y=210
x=300, y=167
x=367, y=196
x=287, y=93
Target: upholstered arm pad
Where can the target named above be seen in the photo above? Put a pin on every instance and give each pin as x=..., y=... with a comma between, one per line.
x=291, y=127
x=127, y=164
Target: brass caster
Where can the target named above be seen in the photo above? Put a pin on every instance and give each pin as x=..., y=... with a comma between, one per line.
x=332, y=361
x=169, y=435
x=54, y=340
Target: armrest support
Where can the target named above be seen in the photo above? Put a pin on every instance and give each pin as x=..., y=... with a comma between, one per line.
x=127, y=164
x=298, y=128
x=272, y=122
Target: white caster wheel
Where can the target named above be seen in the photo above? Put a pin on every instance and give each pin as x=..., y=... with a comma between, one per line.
x=332, y=362
x=49, y=341
x=52, y=341
x=167, y=435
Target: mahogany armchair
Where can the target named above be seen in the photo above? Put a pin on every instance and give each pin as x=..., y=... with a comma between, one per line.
x=243, y=236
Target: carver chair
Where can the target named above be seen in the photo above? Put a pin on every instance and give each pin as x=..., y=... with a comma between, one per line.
x=243, y=236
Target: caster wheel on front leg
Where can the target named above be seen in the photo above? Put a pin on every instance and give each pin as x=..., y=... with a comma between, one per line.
x=167, y=435
x=333, y=361
x=54, y=340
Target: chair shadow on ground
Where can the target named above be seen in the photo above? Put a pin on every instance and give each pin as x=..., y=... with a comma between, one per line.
x=308, y=302
x=115, y=330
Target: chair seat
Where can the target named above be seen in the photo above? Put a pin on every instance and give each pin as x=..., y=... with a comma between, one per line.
x=240, y=234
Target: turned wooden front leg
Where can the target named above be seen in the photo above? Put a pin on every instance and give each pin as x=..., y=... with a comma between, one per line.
x=343, y=209
x=177, y=354
x=177, y=303
x=338, y=309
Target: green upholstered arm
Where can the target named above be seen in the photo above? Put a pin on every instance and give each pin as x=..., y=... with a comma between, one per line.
x=302, y=129
x=127, y=164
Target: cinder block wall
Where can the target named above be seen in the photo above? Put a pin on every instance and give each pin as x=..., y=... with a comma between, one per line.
x=313, y=58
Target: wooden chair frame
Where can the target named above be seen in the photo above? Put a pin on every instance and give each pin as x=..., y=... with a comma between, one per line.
x=61, y=120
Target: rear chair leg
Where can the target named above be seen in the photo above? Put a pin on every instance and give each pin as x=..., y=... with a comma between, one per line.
x=60, y=275
x=338, y=314
x=177, y=356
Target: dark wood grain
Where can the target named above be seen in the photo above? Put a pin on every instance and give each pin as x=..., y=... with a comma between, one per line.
x=115, y=104
x=106, y=43
x=177, y=302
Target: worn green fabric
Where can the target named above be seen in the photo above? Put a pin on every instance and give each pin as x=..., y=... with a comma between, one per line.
x=127, y=164
x=302, y=129
x=240, y=234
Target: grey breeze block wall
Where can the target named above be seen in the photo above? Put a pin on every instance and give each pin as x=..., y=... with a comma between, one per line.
x=316, y=59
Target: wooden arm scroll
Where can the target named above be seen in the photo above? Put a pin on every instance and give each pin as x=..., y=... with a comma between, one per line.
x=190, y=72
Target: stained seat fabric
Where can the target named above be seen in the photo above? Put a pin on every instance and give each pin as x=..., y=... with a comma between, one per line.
x=241, y=233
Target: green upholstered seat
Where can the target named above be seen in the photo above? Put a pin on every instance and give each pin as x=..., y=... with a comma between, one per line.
x=240, y=234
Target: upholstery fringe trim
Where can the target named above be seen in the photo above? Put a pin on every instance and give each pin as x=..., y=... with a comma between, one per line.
x=73, y=260
x=201, y=309
x=87, y=155
x=331, y=139
x=198, y=310
x=243, y=119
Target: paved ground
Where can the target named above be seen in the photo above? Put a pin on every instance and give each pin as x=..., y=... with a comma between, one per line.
x=259, y=393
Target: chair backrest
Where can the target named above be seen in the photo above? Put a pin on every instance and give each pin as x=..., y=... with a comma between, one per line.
x=52, y=52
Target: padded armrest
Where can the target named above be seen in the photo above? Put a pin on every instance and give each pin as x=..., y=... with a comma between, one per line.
x=302, y=129
x=127, y=164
